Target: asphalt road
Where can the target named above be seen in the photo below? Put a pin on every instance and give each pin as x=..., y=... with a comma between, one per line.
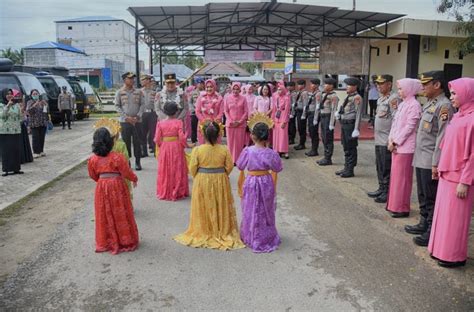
x=340, y=252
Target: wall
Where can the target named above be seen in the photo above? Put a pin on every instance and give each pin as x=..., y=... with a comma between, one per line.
x=40, y=57
x=393, y=63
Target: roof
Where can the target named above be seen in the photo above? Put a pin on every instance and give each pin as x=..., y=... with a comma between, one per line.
x=182, y=71
x=252, y=25
x=90, y=19
x=54, y=45
x=226, y=69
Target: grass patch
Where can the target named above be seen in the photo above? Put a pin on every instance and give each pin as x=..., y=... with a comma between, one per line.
x=103, y=115
x=14, y=208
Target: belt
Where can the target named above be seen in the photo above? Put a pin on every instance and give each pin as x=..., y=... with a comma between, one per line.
x=258, y=173
x=211, y=170
x=347, y=121
x=109, y=175
x=170, y=139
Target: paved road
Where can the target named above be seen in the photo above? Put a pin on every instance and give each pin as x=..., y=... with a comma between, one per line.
x=64, y=149
x=340, y=252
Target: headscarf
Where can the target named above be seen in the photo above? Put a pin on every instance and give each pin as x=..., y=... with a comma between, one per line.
x=213, y=83
x=410, y=87
x=281, y=85
x=464, y=89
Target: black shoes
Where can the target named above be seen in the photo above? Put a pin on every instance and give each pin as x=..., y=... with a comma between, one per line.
x=382, y=198
x=447, y=264
x=291, y=142
x=138, y=166
x=312, y=153
x=376, y=193
x=399, y=214
x=339, y=172
x=300, y=147
x=347, y=174
x=324, y=162
x=417, y=229
x=422, y=240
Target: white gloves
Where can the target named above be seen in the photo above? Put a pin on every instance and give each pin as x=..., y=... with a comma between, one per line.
x=355, y=133
x=336, y=114
x=331, y=127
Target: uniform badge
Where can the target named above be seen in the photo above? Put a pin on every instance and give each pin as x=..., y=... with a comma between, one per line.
x=426, y=125
x=444, y=113
x=432, y=109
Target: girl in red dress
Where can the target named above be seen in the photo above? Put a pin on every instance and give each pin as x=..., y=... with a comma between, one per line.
x=115, y=227
x=172, y=179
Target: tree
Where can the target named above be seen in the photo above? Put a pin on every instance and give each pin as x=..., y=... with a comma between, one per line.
x=189, y=59
x=16, y=56
x=251, y=67
x=463, y=11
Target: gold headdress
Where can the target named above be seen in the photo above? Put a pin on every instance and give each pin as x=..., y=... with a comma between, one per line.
x=204, y=124
x=260, y=118
x=113, y=125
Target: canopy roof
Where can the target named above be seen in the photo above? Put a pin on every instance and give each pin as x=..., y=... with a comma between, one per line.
x=253, y=25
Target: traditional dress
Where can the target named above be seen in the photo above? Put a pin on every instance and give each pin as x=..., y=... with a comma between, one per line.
x=236, y=110
x=258, y=230
x=209, y=107
x=281, y=116
x=452, y=215
x=115, y=227
x=212, y=222
x=403, y=134
x=121, y=148
x=172, y=179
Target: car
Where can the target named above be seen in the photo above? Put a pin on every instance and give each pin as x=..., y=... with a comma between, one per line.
x=53, y=84
x=92, y=97
x=82, y=105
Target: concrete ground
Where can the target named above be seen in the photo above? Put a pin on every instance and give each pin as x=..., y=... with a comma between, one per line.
x=340, y=252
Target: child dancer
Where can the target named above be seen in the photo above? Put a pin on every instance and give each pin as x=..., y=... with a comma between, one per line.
x=213, y=222
x=258, y=203
x=172, y=179
x=115, y=227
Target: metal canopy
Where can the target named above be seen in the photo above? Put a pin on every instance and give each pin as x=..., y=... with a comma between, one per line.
x=253, y=26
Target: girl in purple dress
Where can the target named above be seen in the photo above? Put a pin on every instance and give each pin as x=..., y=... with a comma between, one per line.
x=257, y=229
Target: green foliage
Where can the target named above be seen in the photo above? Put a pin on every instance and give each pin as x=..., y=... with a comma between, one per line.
x=462, y=10
x=189, y=59
x=251, y=67
x=16, y=56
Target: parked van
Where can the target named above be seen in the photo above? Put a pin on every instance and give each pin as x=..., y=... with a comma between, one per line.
x=53, y=84
x=81, y=99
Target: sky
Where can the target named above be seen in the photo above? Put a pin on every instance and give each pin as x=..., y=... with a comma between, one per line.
x=27, y=22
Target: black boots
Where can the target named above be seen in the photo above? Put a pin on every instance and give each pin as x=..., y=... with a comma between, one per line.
x=382, y=198
x=419, y=228
x=138, y=166
x=300, y=147
x=339, y=172
x=423, y=239
x=324, y=162
x=376, y=193
x=349, y=173
x=312, y=153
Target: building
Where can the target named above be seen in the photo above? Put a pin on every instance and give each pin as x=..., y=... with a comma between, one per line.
x=416, y=46
x=96, y=70
x=104, y=37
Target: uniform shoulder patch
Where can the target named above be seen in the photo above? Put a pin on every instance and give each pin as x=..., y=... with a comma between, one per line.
x=444, y=113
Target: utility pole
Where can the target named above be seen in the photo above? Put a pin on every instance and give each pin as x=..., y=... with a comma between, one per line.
x=353, y=5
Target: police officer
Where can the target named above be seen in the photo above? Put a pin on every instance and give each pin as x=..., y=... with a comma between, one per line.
x=349, y=114
x=293, y=94
x=314, y=96
x=435, y=116
x=149, y=116
x=300, y=120
x=171, y=93
x=66, y=104
x=387, y=104
x=325, y=115
x=129, y=104
x=192, y=107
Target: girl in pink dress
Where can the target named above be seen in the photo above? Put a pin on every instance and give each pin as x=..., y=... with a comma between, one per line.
x=236, y=112
x=401, y=142
x=209, y=106
x=172, y=179
x=280, y=115
x=263, y=102
x=453, y=209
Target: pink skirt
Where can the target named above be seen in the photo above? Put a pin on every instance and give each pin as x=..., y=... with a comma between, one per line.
x=452, y=217
x=401, y=180
x=236, y=141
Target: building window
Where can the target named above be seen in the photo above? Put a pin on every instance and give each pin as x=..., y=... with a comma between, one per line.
x=388, y=50
x=461, y=56
x=69, y=27
x=399, y=47
x=446, y=54
x=378, y=51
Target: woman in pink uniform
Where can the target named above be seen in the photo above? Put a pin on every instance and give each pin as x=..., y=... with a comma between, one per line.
x=453, y=209
x=401, y=142
x=280, y=116
x=236, y=113
x=209, y=106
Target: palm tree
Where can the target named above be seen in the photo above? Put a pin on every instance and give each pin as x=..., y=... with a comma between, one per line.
x=16, y=56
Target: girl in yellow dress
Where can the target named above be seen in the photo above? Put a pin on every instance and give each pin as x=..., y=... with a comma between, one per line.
x=213, y=222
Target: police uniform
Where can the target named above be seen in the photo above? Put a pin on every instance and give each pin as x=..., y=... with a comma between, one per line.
x=176, y=96
x=66, y=104
x=309, y=111
x=300, y=120
x=384, y=114
x=349, y=114
x=149, y=119
x=325, y=116
x=292, y=122
x=435, y=116
x=129, y=104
